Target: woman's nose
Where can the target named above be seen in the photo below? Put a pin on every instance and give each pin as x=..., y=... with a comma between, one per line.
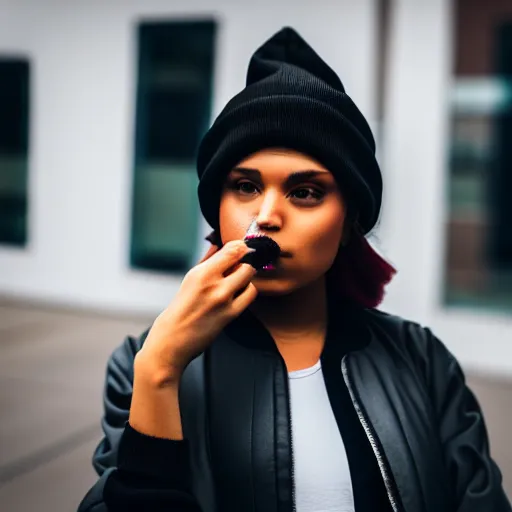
x=270, y=215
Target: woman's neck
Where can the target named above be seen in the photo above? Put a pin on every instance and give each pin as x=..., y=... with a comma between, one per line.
x=297, y=322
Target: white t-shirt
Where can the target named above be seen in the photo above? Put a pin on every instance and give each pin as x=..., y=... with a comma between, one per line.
x=321, y=471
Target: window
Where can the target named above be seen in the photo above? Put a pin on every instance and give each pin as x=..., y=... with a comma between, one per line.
x=14, y=115
x=175, y=72
x=479, y=231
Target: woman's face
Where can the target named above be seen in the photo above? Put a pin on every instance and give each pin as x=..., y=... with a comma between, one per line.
x=295, y=201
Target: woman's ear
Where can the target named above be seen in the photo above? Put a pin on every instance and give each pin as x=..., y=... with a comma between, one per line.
x=214, y=238
x=216, y=244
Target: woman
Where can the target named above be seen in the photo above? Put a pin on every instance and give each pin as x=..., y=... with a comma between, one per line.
x=284, y=389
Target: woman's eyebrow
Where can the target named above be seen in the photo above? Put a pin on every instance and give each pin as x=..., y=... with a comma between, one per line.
x=250, y=173
x=300, y=176
x=292, y=179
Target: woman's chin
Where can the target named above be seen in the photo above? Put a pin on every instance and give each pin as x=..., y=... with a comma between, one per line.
x=273, y=286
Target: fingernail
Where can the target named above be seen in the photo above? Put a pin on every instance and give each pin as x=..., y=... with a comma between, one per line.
x=250, y=249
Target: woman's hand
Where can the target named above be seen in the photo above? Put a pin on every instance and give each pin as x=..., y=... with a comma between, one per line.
x=212, y=294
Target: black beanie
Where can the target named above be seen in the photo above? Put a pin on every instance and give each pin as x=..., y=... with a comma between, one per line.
x=293, y=100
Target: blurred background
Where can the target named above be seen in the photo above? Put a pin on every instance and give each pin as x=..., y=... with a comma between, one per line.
x=102, y=105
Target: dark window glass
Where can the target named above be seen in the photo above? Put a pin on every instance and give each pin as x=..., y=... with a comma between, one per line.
x=14, y=118
x=479, y=231
x=175, y=73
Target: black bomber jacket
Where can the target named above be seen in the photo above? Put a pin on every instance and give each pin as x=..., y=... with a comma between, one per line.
x=426, y=441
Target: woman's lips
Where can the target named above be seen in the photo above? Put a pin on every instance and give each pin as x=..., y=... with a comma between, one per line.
x=283, y=254
x=253, y=231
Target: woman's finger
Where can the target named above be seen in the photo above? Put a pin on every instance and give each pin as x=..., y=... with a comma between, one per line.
x=239, y=278
x=244, y=299
x=225, y=258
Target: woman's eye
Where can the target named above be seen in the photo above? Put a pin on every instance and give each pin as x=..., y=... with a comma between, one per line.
x=304, y=194
x=245, y=187
x=308, y=194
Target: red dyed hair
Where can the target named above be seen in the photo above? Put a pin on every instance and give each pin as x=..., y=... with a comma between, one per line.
x=359, y=273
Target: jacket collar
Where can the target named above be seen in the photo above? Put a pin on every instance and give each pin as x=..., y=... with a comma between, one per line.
x=347, y=330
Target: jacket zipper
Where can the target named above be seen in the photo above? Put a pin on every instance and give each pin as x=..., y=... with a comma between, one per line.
x=292, y=462
x=294, y=507
x=369, y=434
x=290, y=432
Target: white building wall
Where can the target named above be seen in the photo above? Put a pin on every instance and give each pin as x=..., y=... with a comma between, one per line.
x=415, y=161
x=83, y=103
x=83, y=57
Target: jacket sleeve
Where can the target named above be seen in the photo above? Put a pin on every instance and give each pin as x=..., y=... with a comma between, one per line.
x=475, y=477
x=136, y=472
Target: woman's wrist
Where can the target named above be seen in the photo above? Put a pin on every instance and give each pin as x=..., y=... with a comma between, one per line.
x=155, y=409
x=156, y=371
